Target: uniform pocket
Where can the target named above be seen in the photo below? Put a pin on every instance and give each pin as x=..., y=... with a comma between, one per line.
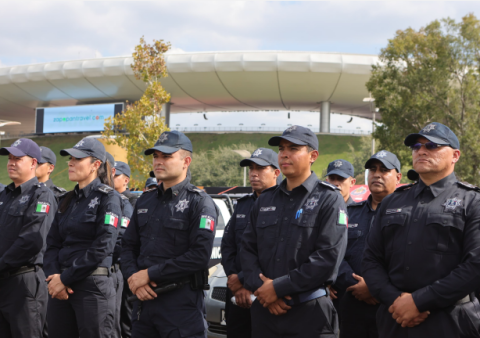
x=267, y=230
x=104, y=285
x=31, y=283
x=443, y=233
x=392, y=227
x=174, y=238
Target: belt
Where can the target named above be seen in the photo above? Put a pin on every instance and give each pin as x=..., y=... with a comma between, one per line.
x=101, y=271
x=18, y=271
x=116, y=267
x=464, y=300
x=306, y=296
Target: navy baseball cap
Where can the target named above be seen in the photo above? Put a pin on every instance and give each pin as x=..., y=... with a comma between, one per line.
x=389, y=160
x=341, y=168
x=151, y=181
x=48, y=156
x=437, y=133
x=263, y=157
x=23, y=147
x=170, y=142
x=88, y=146
x=110, y=159
x=297, y=135
x=122, y=168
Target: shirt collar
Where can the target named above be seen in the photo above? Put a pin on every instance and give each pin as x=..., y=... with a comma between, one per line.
x=49, y=183
x=88, y=189
x=175, y=190
x=369, y=203
x=438, y=187
x=22, y=187
x=309, y=184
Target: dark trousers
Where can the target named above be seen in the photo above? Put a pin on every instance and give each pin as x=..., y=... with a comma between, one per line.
x=313, y=319
x=117, y=278
x=358, y=319
x=88, y=313
x=23, y=304
x=239, y=321
x=460, y=321
x=126, y=312
x=175, y=314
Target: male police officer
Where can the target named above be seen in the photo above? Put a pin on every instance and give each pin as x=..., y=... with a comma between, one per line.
x=122, y=178
x=293, y=245
x=150, y=184
x=340, y=173
x=357, y=307
x=45, y=167
x=263, y=173
x=27, y=208
x=170, y=239
x=422, y=259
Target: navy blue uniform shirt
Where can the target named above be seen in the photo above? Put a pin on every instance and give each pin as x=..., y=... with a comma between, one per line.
x=297, y=238
x=425, y=241
x=132, y=198
x=26, y=214
x=57, y=191
x=127, y=211
x=171, y=233
x=83, y=237
x=360, y=218
x=232, y=237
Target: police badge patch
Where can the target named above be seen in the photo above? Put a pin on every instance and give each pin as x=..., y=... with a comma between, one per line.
x=452, y=203
x=311, y=203
x=93, y=203
x=182, y=205
x=24, y=199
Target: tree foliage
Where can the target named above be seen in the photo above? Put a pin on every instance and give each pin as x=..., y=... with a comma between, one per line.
x=138, y=127
x=219, y=167
x=431, y=75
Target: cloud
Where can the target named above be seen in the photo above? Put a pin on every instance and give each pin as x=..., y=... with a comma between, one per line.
x=52, y=31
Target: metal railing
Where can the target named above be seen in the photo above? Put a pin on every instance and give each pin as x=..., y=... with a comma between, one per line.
x=263, y=129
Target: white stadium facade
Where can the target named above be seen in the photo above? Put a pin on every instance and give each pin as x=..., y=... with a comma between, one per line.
x=198, y=82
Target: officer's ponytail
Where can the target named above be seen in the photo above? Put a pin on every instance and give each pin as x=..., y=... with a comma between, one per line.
x=105, y=173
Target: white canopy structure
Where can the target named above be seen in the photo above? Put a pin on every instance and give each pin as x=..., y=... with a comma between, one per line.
x=197, y=82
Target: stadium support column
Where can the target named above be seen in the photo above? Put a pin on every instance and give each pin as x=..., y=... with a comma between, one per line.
x=325, y=117
x=166, y=113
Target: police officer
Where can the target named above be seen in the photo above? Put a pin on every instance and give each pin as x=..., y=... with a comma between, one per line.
x=358, y=307
x=293, y=245
x=340, y=173
x=122, y=178
x=45, y=167
x=27, y=208
x=150, y=184
x=263, y=174
x=118, y=282
x=169, y=239
x=80, y=246
x=422, y=259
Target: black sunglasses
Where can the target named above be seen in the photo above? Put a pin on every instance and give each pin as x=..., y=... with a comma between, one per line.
x=428, y=145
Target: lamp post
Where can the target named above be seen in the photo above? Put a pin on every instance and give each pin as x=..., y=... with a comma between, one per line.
x=245, y=154
x=373, y=111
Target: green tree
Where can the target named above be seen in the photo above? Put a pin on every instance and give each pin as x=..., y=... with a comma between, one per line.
x=431, y=75
x=138, y=127
x=219, y=167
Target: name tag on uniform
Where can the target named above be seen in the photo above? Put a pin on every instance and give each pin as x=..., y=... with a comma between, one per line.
x=240, y=216
x=268, y=208
x=393, y=211
x=353, y=225
x=142, y=211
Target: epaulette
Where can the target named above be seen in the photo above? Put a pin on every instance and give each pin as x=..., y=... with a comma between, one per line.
x=39, y=185
x=468, y=186
x=60, y=189
x=193, y=188
x=123, y=197
x=105, y=189
x=149, y=191
x=331, y=186
x=405, y=187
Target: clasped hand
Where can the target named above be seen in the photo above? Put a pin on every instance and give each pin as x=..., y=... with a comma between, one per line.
x=56, y=288
x=405, y=312
x=267, y=296
x=139, y=283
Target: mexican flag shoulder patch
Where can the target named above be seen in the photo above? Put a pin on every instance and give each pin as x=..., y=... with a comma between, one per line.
x=43, y=207
x=207, y=222
x=342, y=218
x=125, y=222
x=111, y=218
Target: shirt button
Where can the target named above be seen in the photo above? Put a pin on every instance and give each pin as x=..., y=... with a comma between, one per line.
x=410, y=242
x=407, y=268
x=263, y=222
x=286, y=218
x=281, y=239
x=291, y=199
x=157, y=220
x=152, y=237
x=278, y=259
x=415, y=220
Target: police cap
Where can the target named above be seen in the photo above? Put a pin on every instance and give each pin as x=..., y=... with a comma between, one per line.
x=23, y=147
x=122, y=168
x=263, y=157
x=170, y=142
x=86, y=147
x=341, y=168
x=297, y=135
x=437, y=133
x=48, y=156
x=389, y=160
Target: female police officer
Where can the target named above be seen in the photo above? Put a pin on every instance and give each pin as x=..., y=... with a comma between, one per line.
x=80, y=245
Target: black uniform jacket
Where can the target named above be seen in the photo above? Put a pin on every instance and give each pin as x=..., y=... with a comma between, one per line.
x=232, y=237
x=26, y=214
x=360, y=220
x=127, y=211
x=132, y=198
x=83, y=237
x=171, y=233
x=297, y=238
x=425, y=241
